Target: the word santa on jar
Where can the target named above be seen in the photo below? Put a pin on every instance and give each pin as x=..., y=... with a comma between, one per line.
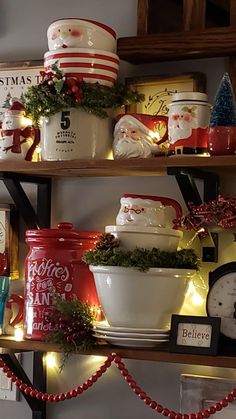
x=18, y=139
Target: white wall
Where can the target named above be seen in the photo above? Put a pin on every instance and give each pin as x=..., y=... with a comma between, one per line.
x=92, y=203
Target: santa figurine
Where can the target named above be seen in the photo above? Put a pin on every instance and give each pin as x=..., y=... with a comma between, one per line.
x=18, y=138
x=136, y=135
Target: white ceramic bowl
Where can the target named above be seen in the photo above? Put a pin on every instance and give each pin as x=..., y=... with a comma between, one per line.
x=130, y=298
x=146, y=237
x=91, y=65
x=80, y=33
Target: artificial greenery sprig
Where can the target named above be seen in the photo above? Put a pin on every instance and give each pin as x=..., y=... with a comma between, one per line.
x=72, y=323
x=57, y=92
x=143, y=259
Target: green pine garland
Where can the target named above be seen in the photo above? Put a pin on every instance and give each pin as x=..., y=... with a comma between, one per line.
x=56, y=92
x=73, y=326
x=143, y=259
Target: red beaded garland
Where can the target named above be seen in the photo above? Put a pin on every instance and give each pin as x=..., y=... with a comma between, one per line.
x=29, y=391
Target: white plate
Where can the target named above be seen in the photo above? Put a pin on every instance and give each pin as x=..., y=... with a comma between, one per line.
x=106, y=327
x=131, y=335
x=131, y=342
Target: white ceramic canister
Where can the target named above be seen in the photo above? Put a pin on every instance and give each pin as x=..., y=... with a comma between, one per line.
x=76, y=134
x=189, y=118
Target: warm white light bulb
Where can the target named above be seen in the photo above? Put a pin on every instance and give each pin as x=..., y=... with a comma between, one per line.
x=18, y=334
x=50, y=360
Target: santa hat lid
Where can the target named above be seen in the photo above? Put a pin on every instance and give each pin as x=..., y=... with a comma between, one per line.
x=137, y=196
x=16, y=106
x=144, y=122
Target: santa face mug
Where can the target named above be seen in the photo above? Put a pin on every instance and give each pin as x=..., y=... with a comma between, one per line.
x=138, y=135
x=146, y=210
x=18, y=137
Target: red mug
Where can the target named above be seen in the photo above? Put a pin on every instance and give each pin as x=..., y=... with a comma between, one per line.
x=13, y=317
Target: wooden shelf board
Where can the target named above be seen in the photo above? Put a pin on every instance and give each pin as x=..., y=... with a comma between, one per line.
x=214, y=42
x=127, y=167
x=7, y=343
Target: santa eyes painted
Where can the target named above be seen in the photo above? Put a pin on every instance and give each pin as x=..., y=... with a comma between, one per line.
x=65, y=37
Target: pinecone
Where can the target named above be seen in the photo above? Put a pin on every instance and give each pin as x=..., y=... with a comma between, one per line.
x=107, y=242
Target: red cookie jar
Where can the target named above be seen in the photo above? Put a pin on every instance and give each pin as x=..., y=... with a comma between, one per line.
x=54, y=263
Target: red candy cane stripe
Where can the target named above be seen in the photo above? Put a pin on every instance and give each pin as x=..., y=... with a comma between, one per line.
x=32, y=392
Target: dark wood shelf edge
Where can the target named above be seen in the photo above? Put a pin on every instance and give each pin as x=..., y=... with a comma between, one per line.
x=8, y=344
x=213, y=42
x=124, y=167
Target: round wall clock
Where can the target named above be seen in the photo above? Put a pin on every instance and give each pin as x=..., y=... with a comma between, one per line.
x=221, y=298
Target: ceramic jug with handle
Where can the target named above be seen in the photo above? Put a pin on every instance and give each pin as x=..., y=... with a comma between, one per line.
x=146, y=210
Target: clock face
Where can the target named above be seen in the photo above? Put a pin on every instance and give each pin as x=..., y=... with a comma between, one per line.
x=221, y=302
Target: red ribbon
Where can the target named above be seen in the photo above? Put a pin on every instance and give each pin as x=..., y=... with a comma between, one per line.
x=17, y=133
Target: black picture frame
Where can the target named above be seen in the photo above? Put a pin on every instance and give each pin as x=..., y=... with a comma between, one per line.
x=194, y=334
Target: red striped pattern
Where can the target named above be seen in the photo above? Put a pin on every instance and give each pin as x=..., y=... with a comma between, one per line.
x=87, y=65
x=91, y=76
x=56, y=56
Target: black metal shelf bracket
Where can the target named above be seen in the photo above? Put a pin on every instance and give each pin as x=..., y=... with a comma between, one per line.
x=38, y=407
x=186, y=179
x=33, y=219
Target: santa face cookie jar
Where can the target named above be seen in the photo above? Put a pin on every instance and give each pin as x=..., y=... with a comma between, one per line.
x=138, y=135
x=18, y=138
x=189, y=118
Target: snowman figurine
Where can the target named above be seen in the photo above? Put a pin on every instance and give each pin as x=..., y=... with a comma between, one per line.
x=18, y=138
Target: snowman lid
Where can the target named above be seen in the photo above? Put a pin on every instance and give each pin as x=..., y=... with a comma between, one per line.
x=16, y=108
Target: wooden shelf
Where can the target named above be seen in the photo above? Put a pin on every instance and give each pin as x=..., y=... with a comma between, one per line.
x=127, y=167
x=10, y=345
x=214, y=42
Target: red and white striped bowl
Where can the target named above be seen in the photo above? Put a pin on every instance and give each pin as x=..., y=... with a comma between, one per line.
x=91, y=65
x=81, y=33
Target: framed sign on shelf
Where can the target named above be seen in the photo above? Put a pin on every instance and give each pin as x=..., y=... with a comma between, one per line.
x=15, y=78
x=194, y=334
x=158, y=90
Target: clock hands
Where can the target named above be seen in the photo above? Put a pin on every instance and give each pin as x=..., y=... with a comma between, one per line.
x=234, y=315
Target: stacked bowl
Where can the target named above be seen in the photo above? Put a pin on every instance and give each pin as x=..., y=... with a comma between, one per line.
x=83, y=49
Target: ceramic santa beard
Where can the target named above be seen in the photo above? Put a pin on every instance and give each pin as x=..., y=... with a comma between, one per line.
x=136, y=135
x=189, y=118
x=18, y=138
